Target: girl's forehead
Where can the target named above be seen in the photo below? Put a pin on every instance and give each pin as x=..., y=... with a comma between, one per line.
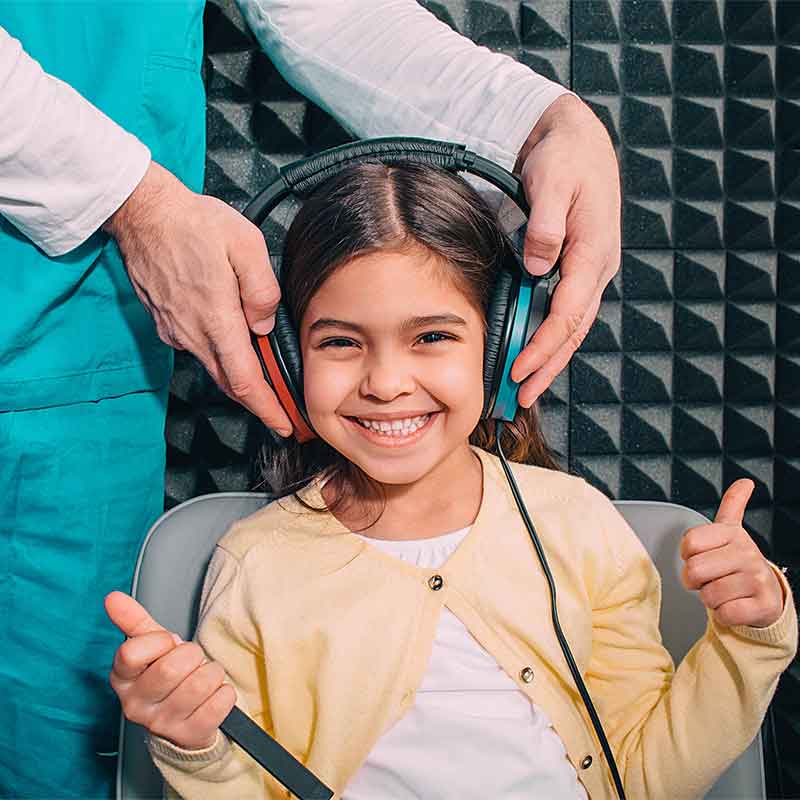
x=389, y=280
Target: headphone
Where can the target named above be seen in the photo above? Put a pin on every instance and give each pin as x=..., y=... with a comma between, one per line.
x=517, y=307
x=518, y=302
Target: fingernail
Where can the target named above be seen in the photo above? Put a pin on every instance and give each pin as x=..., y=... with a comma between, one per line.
x=536, y=266
x=263, y=326
x=518, y=374
x=285, y=432
x=177, y=639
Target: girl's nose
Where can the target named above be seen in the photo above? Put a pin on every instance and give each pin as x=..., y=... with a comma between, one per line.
x=386, y=377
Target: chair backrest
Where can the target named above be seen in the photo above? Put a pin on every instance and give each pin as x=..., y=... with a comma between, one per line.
x=173, y=559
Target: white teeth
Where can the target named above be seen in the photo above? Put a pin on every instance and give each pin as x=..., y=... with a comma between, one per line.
x=396, y=427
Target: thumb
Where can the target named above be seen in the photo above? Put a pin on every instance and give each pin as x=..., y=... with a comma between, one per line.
x=544, y=236
x=258, y=286
x=734, y=501
x=129, y=616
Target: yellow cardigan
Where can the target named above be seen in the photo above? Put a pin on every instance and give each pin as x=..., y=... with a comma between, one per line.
x=326, y=639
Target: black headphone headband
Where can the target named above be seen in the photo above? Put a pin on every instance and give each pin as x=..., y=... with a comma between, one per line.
x=301, y=177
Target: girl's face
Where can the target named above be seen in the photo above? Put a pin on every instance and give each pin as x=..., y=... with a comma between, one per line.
x=393, y=364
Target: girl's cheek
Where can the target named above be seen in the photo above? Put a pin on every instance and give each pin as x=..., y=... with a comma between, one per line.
x=327, y=385
x=458, y=384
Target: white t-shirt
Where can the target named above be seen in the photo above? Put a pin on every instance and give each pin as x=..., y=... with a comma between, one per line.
x=470, y=733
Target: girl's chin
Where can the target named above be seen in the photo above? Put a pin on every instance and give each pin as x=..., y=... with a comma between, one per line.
x=395, y=476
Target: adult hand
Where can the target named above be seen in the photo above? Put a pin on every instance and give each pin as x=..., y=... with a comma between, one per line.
x=202, y=270
x=569, y=170
x=726, y=566
x=164, y=684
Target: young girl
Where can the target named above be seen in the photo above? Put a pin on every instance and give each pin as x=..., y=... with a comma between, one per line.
x=388, y=622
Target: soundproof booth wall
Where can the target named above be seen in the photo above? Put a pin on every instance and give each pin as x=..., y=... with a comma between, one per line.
x=690, y=377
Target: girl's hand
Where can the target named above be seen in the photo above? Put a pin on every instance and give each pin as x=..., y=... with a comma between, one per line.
x=723, y=562
x=164, y=684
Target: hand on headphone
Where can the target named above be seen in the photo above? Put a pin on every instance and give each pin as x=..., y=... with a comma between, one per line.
x=725, y=565
x=569, y=170
x=202, y=270
x=164, y=684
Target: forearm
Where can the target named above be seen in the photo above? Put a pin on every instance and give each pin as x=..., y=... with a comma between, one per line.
x=389, y=67
x=65, y=167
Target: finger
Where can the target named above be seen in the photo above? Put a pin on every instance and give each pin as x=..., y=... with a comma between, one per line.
x=239, y=371
x=168, y=673
x=194, y=690
x=573, y=308
x=129, y=616
x=258, y=286
x=544, y=233
x=734, y=502
x=741, y=611
x=210, y=715
x=703, y=538
x=537, y=384
x=727, y=588
x=710, y=566
x=136, y=655
x=542, y=378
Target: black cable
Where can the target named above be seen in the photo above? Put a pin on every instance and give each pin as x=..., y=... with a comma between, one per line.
x=275, y=758
x=562, y=640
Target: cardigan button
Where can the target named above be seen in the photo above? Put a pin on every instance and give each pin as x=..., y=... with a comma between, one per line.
x=586, y=762
x=526, y=674
x=436, y=582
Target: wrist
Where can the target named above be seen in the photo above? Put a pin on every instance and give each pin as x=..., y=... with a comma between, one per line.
x=187, y=758
x=141, y=199
x=566, y=111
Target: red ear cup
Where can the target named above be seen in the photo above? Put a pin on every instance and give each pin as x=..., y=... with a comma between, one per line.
x=301, y=430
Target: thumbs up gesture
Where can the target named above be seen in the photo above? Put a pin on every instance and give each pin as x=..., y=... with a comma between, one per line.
x=163, y=683
x=724, y=564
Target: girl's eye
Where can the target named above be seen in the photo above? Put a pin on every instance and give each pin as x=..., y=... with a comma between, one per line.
x=434, y=336
x=338, y=342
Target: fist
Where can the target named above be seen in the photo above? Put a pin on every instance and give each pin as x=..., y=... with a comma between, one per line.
x=164, y=684
x=724, y=565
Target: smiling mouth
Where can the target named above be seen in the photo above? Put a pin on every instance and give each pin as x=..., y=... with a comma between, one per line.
x=395, y=427
x=395, y=431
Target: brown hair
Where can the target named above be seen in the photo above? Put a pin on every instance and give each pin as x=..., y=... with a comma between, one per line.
x=399, y=206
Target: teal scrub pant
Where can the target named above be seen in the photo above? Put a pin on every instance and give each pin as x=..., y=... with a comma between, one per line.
x=81, y=484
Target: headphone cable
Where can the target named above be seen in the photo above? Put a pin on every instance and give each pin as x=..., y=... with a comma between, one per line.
x=562, y=640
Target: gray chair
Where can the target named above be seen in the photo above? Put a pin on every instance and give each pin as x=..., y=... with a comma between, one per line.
x=174, y=555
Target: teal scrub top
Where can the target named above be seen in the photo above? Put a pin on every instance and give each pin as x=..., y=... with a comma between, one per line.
x=72, y=328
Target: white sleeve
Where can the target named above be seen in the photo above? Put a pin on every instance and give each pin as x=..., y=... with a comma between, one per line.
x=389, y=67
x=65, y=167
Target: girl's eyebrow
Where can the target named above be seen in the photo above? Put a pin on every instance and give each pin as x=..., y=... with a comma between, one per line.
x=410, y=324
x=432, y=319
x=327, y=322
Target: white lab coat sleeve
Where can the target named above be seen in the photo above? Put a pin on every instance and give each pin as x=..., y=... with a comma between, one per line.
x=65, y=167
